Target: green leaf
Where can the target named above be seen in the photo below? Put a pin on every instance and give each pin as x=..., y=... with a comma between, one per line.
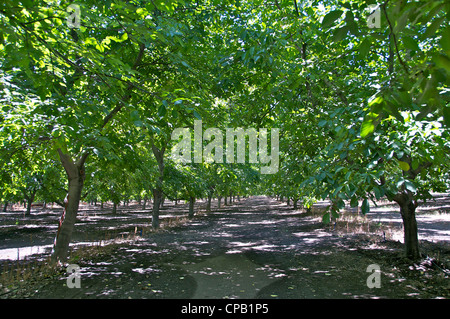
x=378, y=192
x=335, y=214
x=162, y=110
x=415, y=164
x=354, y=201
x=431, y=30
x=365, y=207
x=410, y=43
x=445, y=43
x=446, y=112
x=410, y=186
x=401, y=22
x=339, y=34
x=375, y=101
x=322, y=123
x=404, y=166
x=442, y=61
x=367, y=127
x=364, y=47
x=185, y=64
x=331, y=17
x=340, y=204
x=326, y=218
x=197, y=116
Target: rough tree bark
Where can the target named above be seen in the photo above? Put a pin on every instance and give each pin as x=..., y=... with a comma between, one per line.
x=157, y=191
x=157, y=195
x=76, y=176
x=408, y=206
x=208, y=203
x=30, y=200
x=191, y=206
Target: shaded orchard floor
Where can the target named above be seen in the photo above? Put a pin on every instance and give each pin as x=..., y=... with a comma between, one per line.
x=256, y=248
x=22, y=236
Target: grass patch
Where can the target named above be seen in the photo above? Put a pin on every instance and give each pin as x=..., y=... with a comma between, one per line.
x=356, y=223
x=16, y=276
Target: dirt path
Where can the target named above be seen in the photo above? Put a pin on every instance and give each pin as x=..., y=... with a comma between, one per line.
x=257, y=248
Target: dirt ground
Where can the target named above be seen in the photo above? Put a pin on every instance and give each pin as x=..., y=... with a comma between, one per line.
x=255, y=248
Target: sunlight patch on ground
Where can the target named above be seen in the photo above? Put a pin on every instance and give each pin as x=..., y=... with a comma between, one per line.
x=265, y=222
x=312, y=238
x=23, y=252
x=232, y=225
x=221, y=234
x=147, y=270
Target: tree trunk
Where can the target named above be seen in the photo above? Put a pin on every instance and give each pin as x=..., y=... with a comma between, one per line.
x=64, y=236
x=163, y=199
x=408, y=211
x=295, y=200
x=411, y=236
x=218, y=201
x=157, y=191
x=145, y=203
x=30, y=200
x=5, y=207
x=191, y=206
x=76, y=175
x=225, y=200
x=157, y=195
x=208, y=203
x=114, y=211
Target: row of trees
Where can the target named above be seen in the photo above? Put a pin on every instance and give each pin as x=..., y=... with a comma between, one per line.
x=363, y=112
x=368, y=110
x=120, y=181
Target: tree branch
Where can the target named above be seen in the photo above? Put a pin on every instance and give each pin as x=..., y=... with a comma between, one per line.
x=341, y=96
x=405, y=67
x=68, y=164
x=127, y=95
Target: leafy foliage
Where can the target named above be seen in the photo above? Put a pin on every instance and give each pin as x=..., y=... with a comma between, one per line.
x=363, y=111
